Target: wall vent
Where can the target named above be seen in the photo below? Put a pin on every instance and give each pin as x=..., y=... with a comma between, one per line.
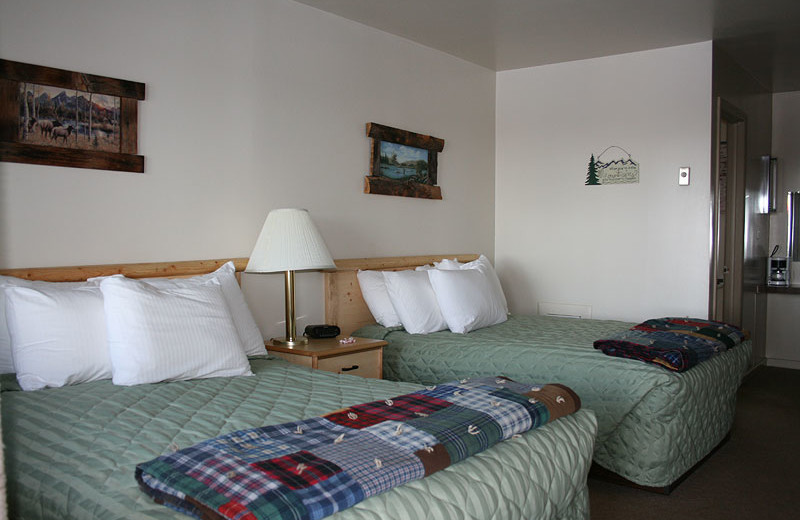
x=565, y=310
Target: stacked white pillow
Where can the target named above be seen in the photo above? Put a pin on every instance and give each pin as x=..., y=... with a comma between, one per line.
x=467, y=298
x=481, y=263
x=6, y=282
x=246, y=326
x=450, y=294
x=373, y=289
x=170, y=334
x=413, y=298
x=133, y=331
x=57, y=335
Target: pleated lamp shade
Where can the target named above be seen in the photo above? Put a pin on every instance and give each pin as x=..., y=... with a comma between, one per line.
x=289, y=241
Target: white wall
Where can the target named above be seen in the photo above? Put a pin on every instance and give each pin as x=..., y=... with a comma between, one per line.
x=631, y=251
x=251, y=105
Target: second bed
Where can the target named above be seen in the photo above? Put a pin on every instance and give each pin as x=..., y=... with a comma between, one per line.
x=654, y=425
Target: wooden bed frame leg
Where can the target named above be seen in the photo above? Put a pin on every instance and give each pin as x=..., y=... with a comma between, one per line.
x=600, y=473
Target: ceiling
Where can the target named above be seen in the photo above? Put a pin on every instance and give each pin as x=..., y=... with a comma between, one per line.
x=763, y=36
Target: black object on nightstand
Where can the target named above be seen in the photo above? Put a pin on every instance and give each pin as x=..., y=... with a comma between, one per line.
x=322, y=331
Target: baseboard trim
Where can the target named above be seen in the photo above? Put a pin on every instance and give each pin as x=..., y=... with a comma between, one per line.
x=783, y=363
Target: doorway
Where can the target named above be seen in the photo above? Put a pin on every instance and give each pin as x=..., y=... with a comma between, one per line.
x=728, y=215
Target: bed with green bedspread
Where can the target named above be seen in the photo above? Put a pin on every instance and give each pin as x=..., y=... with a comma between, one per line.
x=654, y=424
x=71, y=452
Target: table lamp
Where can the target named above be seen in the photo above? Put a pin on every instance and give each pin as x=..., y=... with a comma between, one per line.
x=289, y=242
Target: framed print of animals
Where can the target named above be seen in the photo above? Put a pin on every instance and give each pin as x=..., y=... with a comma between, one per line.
x=403, y=163
x=63, y=118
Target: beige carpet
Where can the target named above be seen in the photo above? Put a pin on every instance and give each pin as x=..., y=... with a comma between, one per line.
x=755, y=475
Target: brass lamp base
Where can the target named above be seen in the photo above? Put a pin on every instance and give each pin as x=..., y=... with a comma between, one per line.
x=290, y=340
x=302, y=340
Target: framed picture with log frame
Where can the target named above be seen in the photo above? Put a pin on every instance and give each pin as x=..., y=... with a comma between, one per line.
x=403, y=163
x=63, y=118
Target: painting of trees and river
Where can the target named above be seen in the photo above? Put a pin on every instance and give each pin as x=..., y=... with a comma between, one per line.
x=404, y=163
x=54, y=116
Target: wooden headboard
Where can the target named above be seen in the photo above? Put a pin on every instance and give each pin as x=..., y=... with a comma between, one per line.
x=344, y=305
x=141, y=270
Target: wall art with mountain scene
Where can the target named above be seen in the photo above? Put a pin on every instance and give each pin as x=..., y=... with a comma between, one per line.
x=64, y=118
x=612, y=167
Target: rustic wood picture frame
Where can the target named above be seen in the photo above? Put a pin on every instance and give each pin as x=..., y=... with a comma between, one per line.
x=13, y=73
x=378, y=183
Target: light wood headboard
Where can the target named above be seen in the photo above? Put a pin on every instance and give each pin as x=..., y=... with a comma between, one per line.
x=344, y=305
x=141, y=270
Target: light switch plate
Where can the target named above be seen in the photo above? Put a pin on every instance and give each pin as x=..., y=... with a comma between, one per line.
x=683, y=175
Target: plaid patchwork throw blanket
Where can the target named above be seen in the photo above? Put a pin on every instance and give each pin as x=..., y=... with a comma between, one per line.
x=316, y=467
x=674, y=343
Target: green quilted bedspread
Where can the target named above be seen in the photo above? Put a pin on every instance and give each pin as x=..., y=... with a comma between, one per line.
x=71, y=452
x=654, y=425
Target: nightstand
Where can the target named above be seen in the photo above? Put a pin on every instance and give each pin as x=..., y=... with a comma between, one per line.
x=363, y=358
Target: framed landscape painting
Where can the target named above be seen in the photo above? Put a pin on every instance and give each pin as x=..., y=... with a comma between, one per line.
x=64, y=118
x=53, y=116
x=403, y=163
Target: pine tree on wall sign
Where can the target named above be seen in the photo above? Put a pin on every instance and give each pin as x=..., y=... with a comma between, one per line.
x=591, y=177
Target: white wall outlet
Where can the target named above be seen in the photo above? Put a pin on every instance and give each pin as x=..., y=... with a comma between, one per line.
x=683, y=176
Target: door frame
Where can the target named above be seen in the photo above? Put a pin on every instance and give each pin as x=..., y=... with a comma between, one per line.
x=731, y=311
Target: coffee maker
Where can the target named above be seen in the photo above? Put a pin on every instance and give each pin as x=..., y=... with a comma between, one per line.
x=779, y=269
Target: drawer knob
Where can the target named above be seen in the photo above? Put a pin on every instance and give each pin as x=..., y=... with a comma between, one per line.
x=348, y=369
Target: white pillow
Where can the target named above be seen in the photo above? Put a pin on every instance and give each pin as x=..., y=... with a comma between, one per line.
x=413, y=298
x=373, y=289
x=491, y=274
x=466, y=299
x=58, y=335
x=6, y=361
x=447, y=264
x=246, y=326
x=170, y=334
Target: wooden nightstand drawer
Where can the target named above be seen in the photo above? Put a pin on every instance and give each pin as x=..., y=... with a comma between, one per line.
x=364, y=364
x=361, y=357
